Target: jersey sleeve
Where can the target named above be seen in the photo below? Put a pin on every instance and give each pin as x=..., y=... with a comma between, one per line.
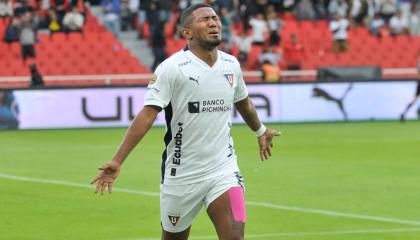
x=161, y=86
x=240, y=90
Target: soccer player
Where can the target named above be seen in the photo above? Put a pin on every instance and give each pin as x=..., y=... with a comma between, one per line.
x=197, y=88
x=412, y=102
x=416, y=95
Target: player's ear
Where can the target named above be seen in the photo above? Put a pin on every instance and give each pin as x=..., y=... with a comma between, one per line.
x=186, y=33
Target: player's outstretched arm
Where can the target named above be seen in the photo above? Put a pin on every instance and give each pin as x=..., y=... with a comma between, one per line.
x=265, y=135
x=138, y=128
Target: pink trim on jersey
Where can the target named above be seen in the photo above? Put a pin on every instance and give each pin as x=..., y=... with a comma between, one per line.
x=237, y=204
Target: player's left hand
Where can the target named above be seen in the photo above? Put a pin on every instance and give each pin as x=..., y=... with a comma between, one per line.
x=103, y=180
x=266, y=143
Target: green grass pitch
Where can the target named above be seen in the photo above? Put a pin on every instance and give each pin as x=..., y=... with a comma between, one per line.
x=335, y=181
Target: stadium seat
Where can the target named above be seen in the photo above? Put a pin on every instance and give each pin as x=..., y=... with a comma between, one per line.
x=75, y=37
x=253, y=57
x=58, y=37
x=93, y=51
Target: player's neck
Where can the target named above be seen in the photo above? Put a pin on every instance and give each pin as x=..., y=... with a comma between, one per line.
x=208, y=56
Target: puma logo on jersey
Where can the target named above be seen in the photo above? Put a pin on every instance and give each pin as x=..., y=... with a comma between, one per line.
x=194, y=80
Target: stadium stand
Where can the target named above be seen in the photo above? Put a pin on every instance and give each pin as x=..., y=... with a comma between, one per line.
x=96, y=51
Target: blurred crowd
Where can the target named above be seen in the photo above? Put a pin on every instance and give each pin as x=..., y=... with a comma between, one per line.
x=52, y=15
x=250, y=23
x=25, y=18
x=246, y=23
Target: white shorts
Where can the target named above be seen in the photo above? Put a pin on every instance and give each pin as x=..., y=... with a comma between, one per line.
x=180, y=204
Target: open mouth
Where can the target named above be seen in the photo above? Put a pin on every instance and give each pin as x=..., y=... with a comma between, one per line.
x=214, y=33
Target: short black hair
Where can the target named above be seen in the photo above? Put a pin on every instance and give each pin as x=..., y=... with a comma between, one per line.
x=187, y=12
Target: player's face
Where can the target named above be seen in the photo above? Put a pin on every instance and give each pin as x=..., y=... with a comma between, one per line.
x=206, y=28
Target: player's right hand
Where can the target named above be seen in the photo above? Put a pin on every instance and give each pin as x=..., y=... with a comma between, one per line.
x=110, y=171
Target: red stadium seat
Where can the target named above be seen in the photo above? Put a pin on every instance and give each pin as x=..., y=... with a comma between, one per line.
x=75, y=37
x=58, y=37
x=253, y=57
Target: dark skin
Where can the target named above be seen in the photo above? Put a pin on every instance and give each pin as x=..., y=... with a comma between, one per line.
x=203, y=32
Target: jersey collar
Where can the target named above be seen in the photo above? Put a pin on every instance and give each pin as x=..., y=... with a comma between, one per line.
x=198, y=60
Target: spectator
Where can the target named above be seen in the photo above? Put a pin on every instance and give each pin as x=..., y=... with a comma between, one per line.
x=158, y=46
x=81, y=6
x=259, y=29
x=270, y=72
x=111, y=9
x=244, y=44
x=274, y=24
x=405, y=7
x=288, y=6
x=261, y=5
x=226, y=20
x=294, y=53
x=36, y=78
x=359, y=12
x=272, y=55
x=60, y=7
x=249, y=9
x=27, y=36
x=339, y=27
x=44, y=5
x=305, y=10
x=12, y=31
x=232, y=6
x=277, y=4
x=73, y=20
x=387, y=9
x=183, y=4
x=319, y=9
x=21, y=7
x=141, y=16
x=355, y=8
x=152, y=16
x=126, y=16
x=414, y=23
x=52, y=22
x=398, y=24
x=134, y=5
x=373, y=8
x=6, y=9
x=376, y=25
x=165, y=10
x=339, y=7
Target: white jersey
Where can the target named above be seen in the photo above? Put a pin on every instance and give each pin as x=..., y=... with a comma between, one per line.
x=198, y=101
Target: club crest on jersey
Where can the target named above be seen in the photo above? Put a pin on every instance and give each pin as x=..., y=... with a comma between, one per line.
x=174, y=218
x=229, y=78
